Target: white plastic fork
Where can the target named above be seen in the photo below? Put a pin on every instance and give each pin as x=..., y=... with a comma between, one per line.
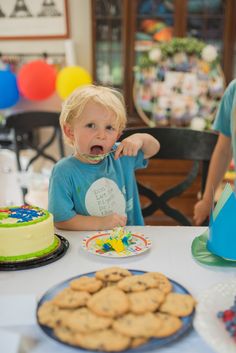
x=97, y=157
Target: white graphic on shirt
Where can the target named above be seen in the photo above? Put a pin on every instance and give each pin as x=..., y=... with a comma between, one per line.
x=104, y=197
x=130, y=204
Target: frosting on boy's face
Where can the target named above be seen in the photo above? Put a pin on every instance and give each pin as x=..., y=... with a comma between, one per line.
x=94, y=133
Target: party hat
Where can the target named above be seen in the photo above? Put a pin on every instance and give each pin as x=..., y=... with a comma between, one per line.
x=222, y=227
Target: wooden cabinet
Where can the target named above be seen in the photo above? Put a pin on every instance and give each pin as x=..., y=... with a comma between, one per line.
x=119, y=32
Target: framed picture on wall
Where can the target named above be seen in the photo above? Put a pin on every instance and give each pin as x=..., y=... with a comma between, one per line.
x=27, y=19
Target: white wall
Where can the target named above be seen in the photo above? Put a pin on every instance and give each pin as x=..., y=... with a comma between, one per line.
x=81, y=31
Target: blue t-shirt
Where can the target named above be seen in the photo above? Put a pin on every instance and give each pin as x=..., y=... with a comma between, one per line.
x=224, y=121
x=96, y=189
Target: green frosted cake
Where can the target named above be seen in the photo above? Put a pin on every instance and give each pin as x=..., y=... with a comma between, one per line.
x=26, y=232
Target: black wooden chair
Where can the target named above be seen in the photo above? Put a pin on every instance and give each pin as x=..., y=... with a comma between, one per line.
x=177, y=144
x=25, y=127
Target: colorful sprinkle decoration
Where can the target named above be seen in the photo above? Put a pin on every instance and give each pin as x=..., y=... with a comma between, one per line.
x=116, y=243
x=23, y=214
x=118, y=240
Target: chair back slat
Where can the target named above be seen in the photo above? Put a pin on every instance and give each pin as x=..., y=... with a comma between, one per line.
x=180, y=143
x=26, y=121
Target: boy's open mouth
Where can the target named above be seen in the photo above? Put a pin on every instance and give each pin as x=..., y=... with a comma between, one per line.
x=97, y=149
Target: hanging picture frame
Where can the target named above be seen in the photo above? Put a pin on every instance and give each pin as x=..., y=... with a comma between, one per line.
x=26, y=19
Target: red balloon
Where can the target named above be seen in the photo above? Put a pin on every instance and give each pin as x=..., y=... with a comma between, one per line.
x=36, y=80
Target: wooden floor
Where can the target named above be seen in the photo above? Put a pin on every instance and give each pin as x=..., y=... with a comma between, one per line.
x=159, y=176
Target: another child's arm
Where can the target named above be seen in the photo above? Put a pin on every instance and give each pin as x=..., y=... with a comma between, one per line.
x=132, y=144
x=80, y=222
x=220, y=160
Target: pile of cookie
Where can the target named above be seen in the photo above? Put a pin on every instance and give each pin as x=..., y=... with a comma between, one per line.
x=115, y=310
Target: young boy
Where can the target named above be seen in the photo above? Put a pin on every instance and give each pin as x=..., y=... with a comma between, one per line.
x=95, y=189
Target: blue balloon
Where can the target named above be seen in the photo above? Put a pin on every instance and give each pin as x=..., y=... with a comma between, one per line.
x=9, y=93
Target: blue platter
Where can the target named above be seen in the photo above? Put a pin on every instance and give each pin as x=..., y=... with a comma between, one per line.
x=150, y=345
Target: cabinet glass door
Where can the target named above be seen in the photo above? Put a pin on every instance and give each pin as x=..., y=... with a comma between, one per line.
x=108, y=42
x=154, y=23
x=175, y=80
x=206, y=21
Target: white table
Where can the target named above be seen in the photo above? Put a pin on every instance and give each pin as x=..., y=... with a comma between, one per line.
x=170, y=253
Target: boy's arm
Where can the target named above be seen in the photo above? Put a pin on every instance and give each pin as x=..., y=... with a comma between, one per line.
x=150, y=145
x=220, y=160
x=80, y=222
x=132, y=144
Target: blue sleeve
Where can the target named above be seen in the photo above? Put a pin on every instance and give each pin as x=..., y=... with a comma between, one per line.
x=60, y=197
x=222, y=121
x=133, y=163
x=140, y=162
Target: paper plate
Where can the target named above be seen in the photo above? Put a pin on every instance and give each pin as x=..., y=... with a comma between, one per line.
x=204, y=256
x=217, y=298
x=140, y=243
x=153, y=343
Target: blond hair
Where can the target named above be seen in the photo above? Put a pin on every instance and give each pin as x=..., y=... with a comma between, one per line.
x=107, y=97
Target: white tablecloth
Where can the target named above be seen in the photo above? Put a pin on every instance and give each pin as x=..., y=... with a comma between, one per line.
x=170, y=253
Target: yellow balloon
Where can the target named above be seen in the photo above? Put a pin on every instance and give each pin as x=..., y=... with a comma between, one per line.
x=71, y=77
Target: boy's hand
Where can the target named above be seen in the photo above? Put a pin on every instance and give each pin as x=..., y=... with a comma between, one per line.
x=113, y=220
x=202, y=210
x=129, y=146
